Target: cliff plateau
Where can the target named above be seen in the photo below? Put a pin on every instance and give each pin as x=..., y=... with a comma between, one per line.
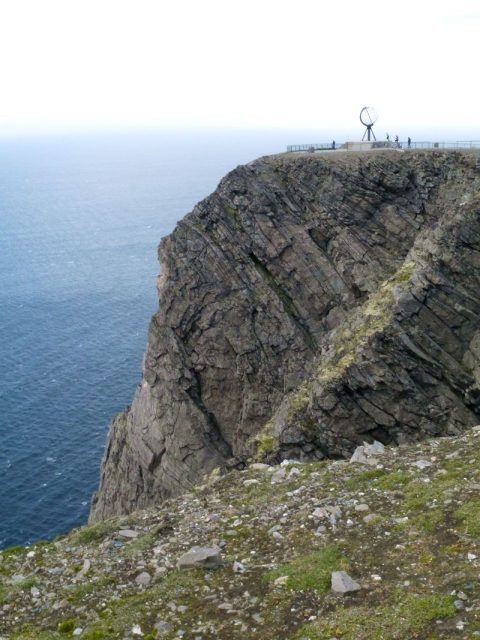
x=310, y=303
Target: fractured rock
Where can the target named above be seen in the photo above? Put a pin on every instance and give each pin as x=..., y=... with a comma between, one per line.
x=325, y=297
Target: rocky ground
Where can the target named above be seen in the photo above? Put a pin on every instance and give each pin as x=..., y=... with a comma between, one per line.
x=402, y=524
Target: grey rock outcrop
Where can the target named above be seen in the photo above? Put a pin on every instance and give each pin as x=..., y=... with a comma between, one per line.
x=309, y=304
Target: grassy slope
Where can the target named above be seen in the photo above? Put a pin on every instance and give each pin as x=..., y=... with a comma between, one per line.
x=415, y=558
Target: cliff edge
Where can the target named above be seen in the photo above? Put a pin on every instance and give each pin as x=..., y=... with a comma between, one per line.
x=310, y=303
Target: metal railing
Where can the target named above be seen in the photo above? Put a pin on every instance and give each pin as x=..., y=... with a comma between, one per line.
x=328, y=146
x=469, y=144
x=322, y=146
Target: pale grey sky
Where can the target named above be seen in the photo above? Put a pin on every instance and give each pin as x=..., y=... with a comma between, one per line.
x=93, y=64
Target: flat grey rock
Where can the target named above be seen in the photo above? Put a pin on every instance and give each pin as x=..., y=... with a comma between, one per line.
x=128, y=533
x=205, y=557
x=343, y=583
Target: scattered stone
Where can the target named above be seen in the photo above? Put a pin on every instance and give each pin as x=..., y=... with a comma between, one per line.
x=238, y=567
x=421, y=464
x=137, y=630
x=260, y=466
x=273, y=529
x=162, y=626
x=143, y=578
x=206, y=557
x=343, y=583
x=334, y=510
x=85, y=568
x=294, y=473
x=362, y=507
x=77, y=631
x=249, y=483
x=35, y=592
x=281, y=581
x=371, y=517
x=128, y=533
x=278, y=476
x=368, y=453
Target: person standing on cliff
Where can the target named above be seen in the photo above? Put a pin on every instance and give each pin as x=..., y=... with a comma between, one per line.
x=409, y=142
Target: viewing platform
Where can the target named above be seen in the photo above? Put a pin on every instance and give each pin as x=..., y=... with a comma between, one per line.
x=382, y=144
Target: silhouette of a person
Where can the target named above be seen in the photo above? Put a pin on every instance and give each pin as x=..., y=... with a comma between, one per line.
x=409, y=142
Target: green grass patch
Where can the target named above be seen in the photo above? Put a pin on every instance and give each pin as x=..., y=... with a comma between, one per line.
x=429, y=520
x=394, y=480
x=403, y=619
x=299, y=400
x=420, y=495
x=372, y=318
x=12, y=551
x=312, y=571
x=29, y=632
x=142, y=607
x=365, y=478
x=9, y=591
x=94, y=532
x=469, y=514
x=139, y=545
x=264, y=442
x=67, y=626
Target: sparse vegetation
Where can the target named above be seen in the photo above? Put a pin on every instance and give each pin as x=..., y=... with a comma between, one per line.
x=372, y=317
x=265, y=442
x=407, y=533
x=402, y=619
x=311, y=571
x=469, y=514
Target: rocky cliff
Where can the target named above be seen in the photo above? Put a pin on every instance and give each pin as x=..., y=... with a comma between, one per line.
x=310, y=303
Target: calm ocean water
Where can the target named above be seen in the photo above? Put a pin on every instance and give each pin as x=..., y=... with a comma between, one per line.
x=80, y=220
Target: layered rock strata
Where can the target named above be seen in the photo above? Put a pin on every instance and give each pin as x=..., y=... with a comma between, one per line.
x=310, y=303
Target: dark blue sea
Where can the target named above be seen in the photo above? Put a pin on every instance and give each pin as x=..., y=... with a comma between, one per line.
x=80, y=220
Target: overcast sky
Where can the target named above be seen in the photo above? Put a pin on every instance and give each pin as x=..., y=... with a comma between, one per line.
x=93, y=64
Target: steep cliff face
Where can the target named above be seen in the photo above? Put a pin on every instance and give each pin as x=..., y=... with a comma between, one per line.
x=309, y=303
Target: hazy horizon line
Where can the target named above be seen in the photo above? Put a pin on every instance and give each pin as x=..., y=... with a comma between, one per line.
x=349, y=133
